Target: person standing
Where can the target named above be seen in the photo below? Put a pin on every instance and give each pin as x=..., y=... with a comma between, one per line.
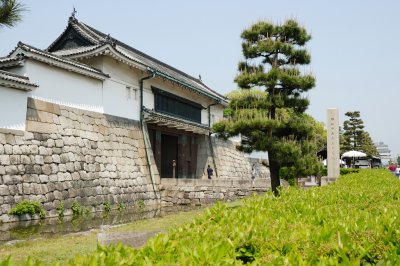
x=392, y=168
x=253, y=172
x=210, y=172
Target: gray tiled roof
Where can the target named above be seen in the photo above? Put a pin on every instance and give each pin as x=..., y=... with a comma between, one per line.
x=77, y=50
x=9, y=59
x=60, y=59
x=98, y=38
x=8, y=76
x=95, y=49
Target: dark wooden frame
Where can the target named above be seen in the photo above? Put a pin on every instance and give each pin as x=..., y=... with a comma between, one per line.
x=171, y=104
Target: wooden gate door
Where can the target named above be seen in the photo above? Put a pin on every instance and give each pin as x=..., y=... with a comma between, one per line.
x=169, y=152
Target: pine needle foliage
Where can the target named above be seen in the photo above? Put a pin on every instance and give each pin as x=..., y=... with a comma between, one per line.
x=353, y=128
x=355, y=137
x=10, y=12
x=268, y=108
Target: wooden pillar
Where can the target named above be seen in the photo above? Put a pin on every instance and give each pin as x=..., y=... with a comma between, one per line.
x=157, y=150
x=193, y=157
x=182, y=172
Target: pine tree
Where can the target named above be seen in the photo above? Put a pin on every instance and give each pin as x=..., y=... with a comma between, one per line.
x=353, y=129
x=268, y=110
x=10, y=12
x=355, y=137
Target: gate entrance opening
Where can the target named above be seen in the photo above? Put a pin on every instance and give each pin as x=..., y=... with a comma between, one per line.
x=169, y=153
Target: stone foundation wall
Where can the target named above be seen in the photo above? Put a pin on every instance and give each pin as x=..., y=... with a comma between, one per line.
x=233, y=164
x=200, y=192
x=68, y=155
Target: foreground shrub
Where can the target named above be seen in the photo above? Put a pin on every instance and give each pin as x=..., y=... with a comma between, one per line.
x=354, y=221
x=28, y=207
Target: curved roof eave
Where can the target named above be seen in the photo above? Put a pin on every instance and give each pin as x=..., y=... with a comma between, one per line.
x=179, y=82
x=15, y=81
x=51, y=59
x=102, y=49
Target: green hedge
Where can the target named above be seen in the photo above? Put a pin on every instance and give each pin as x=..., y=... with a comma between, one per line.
x=354, y=221
x=343, y=171
x=346, y=171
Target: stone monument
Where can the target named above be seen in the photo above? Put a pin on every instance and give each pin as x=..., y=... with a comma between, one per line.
x=333, y=151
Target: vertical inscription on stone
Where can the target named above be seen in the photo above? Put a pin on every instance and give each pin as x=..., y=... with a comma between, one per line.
x=333, y=143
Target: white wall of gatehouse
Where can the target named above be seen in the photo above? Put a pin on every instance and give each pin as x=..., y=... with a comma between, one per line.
x=12, y=108
x=118, y=95
x=64, y=87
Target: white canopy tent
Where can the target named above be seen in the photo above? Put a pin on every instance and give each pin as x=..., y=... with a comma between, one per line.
x=354, y=154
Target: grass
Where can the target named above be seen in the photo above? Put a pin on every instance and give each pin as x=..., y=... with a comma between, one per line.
x=50, y=250
x=63, y=248
x=159, y=223
x=167, y=221
x=353, y=221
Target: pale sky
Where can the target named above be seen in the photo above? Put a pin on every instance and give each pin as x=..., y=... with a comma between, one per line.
x=355, y=46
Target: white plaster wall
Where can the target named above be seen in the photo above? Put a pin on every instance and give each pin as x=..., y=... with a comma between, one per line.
x=204, y=116
x=12, y=108
x=121, y=95
x=110, y=96
x=120, y=71
x=64, y=87
x=217, y=113
x=148, y=97
x=121, y=99
x=96, y=62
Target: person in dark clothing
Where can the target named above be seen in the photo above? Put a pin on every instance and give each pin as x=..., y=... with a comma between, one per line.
x=210, y=172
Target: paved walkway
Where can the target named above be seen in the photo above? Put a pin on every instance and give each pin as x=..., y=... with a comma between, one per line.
x=133, y=239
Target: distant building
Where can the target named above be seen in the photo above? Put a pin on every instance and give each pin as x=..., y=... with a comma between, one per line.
x=384, y=152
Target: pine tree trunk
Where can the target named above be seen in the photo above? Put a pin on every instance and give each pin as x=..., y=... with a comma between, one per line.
x=274, y=172
x=273, y=165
